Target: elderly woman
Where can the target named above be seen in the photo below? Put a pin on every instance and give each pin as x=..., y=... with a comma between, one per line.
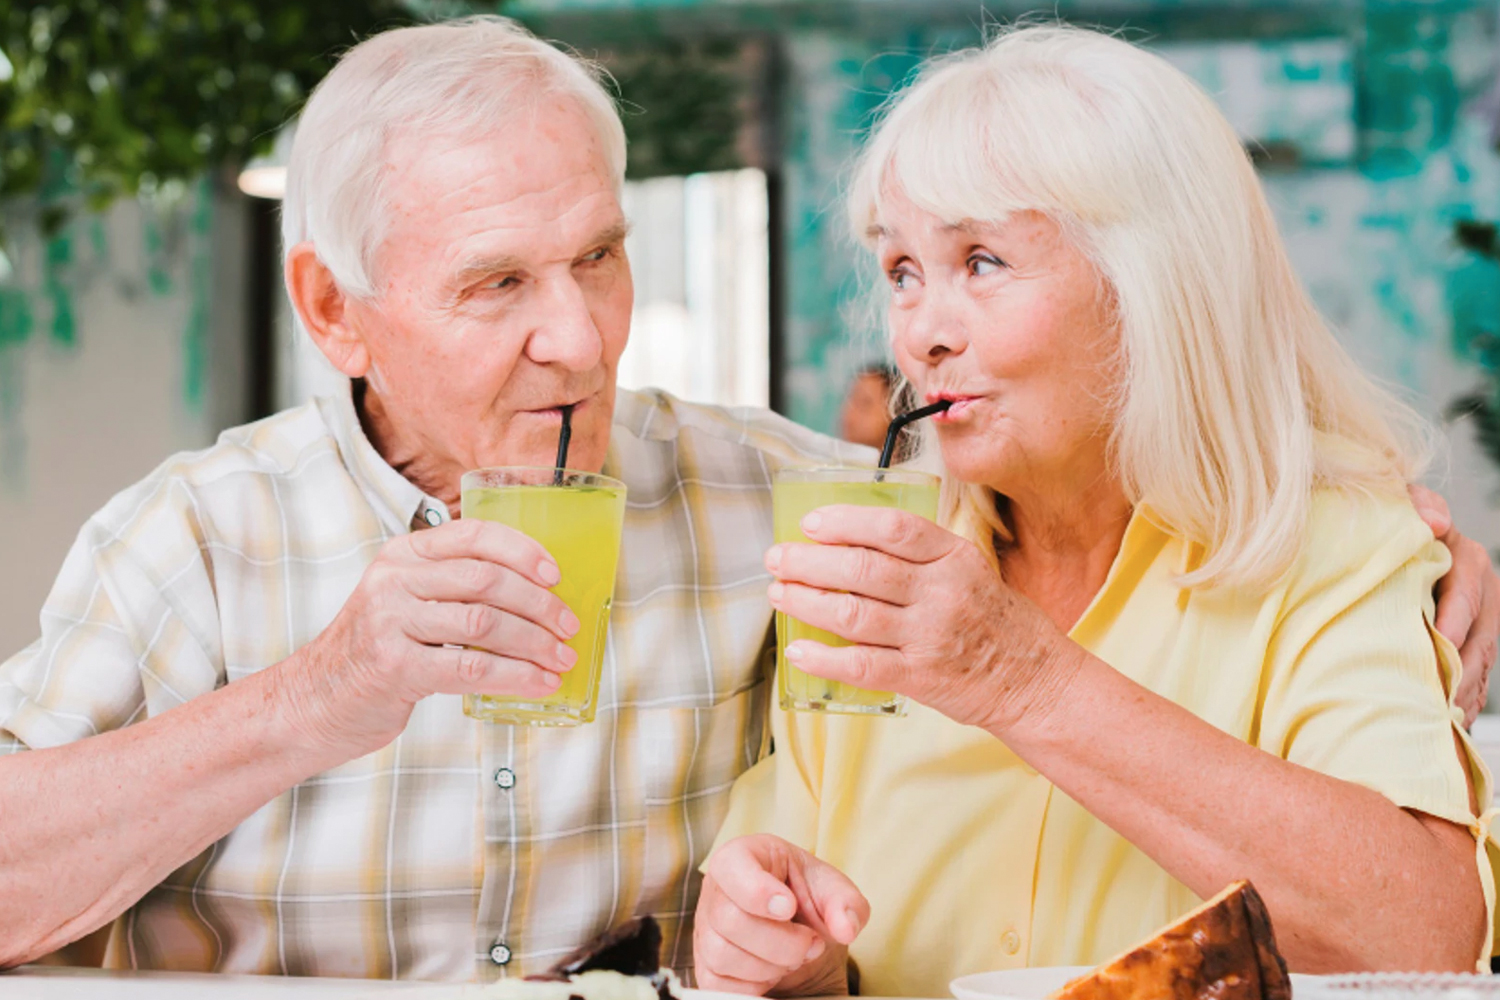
x=1176, y=629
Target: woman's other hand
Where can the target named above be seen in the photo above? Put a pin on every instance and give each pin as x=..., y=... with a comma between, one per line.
x=773, y=919
x=929, y=615
x=1468, y=603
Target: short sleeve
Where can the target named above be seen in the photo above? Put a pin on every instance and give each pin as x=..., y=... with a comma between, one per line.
x=113, y=647
x=1359, y=684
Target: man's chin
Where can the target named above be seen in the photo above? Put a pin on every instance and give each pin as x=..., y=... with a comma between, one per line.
x=589, y=458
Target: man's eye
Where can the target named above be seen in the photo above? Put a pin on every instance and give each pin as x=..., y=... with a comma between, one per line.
x=596, y=255
x=501, y=284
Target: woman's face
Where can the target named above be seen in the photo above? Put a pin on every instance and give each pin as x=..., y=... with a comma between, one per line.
x=1012, y=323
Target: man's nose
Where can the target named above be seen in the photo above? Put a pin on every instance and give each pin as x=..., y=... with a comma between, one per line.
x=564, y=333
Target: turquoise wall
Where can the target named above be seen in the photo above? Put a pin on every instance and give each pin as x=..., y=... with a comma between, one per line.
x=1372, y=99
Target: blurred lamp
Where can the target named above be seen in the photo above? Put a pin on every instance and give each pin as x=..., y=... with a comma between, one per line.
x=265, y=176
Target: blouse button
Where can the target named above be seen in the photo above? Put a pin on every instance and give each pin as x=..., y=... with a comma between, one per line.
x=1011, y=942
x=500, y=954
x=505, y=778
x=432, y=516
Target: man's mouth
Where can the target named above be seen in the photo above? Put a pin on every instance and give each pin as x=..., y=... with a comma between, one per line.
x=555, y=412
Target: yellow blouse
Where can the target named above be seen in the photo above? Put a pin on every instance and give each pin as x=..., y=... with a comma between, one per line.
x=973, y=861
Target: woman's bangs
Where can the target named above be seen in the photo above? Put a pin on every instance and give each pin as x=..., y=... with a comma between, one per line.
x=963, y=155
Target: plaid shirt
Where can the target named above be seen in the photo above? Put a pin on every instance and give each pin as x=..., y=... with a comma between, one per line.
x=461, y=850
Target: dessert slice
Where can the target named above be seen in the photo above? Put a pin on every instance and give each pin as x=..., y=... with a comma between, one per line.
x=1223, y=950
x=622, y=964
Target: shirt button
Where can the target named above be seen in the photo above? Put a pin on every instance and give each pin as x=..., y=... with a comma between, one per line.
x=500, y=954
x=505, y=778
x=1011, y=942
x=432, y=516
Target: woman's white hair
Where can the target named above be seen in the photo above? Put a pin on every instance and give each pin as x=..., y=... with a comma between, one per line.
x=459, y=78
x=1235, y=401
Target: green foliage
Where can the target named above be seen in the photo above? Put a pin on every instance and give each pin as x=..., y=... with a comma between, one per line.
x=1482, y=405
x=119, y=97
x=680, y=102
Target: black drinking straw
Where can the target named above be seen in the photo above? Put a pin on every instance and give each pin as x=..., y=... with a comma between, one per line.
x=899, y=424
x=563, y=439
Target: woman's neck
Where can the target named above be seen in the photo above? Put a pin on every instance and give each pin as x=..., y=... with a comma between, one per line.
x=1065, y=541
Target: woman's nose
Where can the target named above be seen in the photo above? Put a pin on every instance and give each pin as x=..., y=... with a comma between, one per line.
x=565, y=334
x=932, y=330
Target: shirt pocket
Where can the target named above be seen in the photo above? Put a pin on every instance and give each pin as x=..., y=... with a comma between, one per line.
x=691, y=758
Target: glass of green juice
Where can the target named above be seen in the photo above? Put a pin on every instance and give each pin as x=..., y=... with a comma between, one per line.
x=796, y=493
x=577, y=517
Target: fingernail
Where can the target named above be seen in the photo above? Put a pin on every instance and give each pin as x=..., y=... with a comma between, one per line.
x=794, y=652
x=549, y=573
x=812, y=522
x=570, y=623
x=853, y=919
x=781, y=907
x=567, y=654
x=773, y=558
x=775, y=590
x=550, y=680
x=817, y=949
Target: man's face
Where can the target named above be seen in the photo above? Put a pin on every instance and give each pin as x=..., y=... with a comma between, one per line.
x=505, y=295
x=866, y=413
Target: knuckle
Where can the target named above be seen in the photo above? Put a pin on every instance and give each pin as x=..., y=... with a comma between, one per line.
x=894, y=527
x=861, y=664
x=860, y=564
x=722, y=913
x=476, y=622
x=848, y=612
x=713, y=948
x=475, y=577
x=472, y=666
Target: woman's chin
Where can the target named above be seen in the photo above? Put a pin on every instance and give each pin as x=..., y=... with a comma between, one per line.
x=971, y=467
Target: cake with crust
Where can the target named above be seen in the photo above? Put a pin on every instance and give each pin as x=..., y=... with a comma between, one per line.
x=1223, y=950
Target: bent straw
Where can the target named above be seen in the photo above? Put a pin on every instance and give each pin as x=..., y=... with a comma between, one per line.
x=563, y=440
x=899, y=424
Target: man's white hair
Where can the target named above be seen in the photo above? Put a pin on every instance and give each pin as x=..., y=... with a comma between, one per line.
x=1236, y=400
x=459, y=78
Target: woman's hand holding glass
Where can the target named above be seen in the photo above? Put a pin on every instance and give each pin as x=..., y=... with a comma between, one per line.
x=930, y=616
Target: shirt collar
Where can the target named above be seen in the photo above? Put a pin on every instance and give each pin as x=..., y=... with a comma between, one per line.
x=400, y=503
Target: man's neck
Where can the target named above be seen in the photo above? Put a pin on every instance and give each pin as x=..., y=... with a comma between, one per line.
x=406, y=455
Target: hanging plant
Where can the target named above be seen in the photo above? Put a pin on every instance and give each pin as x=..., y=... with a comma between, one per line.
x=107, y=98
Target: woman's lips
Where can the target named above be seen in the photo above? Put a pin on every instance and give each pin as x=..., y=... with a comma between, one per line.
x=958, y=409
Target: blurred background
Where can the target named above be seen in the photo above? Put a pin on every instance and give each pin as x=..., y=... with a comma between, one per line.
x=140, y=302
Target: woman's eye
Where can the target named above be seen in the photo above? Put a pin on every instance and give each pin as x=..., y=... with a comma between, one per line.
x=899, y=278
x=983, y=263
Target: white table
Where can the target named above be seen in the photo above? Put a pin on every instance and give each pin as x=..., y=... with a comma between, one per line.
x=54, y=982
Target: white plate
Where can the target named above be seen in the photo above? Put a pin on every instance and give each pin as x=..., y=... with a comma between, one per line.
x=1037, y=983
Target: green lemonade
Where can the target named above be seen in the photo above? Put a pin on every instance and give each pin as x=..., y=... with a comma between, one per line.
x=580, y=526
x=795, y=497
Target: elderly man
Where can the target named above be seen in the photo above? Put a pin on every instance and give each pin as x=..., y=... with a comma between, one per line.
x=240, y=731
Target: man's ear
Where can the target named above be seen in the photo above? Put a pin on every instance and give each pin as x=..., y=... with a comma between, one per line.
x=322, y=306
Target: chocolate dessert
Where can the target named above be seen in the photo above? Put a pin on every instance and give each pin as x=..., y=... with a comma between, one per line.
x=622, y=964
